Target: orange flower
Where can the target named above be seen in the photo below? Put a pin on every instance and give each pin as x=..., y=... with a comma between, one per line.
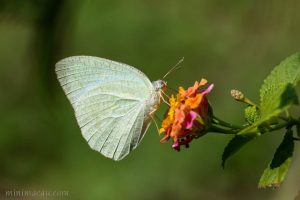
x=193, y=90
x=188, y=116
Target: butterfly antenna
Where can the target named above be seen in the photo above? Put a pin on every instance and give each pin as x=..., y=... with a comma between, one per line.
x=177, y=66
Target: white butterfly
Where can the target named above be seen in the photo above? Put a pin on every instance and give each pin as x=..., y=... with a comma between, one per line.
x=113, y=102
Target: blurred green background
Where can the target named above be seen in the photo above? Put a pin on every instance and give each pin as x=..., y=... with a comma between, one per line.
x=234, y=44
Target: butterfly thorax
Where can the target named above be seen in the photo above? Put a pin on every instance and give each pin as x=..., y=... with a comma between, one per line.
x=155, y=96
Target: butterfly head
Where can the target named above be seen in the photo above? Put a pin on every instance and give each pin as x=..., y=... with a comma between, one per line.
x=159, y=85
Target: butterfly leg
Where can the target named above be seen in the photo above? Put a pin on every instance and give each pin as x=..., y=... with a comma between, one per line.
x=162, y=97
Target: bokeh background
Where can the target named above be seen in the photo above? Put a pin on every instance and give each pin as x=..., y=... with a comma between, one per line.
x=234, y=44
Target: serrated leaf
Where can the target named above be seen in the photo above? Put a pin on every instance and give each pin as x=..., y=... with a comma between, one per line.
x=289, y=96
x=277, y=93
x=284, y=77
x=262, y=125
x=233, y=146
x=287, y=99
x=278, y=168
x=251, y=114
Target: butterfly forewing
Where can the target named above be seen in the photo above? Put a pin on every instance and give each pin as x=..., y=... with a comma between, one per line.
x=109, y=100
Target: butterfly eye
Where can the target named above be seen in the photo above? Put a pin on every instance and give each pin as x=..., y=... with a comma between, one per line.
x=162, y=84
x=159, y=84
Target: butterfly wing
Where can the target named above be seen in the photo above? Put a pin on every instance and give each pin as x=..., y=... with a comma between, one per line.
x=109, y=99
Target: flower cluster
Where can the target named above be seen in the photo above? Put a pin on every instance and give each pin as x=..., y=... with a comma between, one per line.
x=188, y=116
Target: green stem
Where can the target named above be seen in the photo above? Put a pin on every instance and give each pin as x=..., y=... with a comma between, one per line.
x=220, y=126
x=277, y=127
x=284, y=118
x=287, y=113
x=218, y=121
x=219, y=129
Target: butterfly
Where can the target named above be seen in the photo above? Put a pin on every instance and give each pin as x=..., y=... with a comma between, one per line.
x=113, y=102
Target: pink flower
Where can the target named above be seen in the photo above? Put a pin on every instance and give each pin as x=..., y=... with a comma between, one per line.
x=188, y=117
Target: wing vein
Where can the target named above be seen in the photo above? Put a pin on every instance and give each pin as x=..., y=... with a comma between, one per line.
x=127, y=134
x=109, y=94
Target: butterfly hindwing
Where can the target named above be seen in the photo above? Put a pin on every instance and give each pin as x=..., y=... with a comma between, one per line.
x=109, y=102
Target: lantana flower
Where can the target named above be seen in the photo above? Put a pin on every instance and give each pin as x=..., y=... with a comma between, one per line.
x=188, y=116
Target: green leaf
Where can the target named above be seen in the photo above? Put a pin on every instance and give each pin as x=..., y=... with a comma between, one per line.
x=288, y=97
x=252, y=114
x=233, y=146
x=278, y=168
x=279, y=83
x=277, y=93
